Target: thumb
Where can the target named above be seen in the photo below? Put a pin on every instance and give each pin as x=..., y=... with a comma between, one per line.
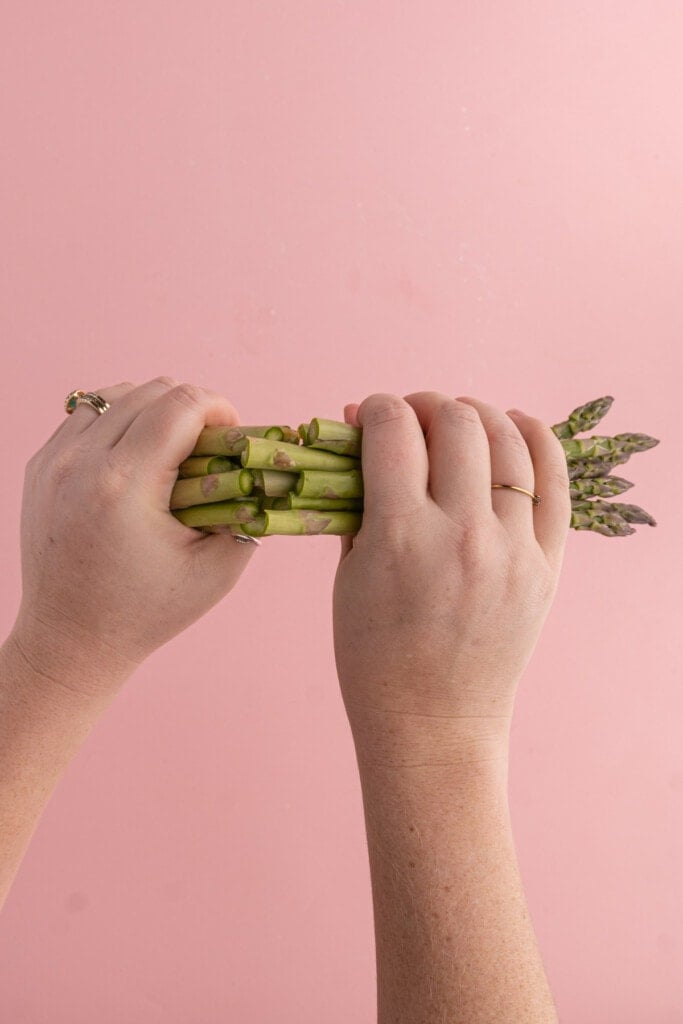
x=224, y=559
x=350, y=416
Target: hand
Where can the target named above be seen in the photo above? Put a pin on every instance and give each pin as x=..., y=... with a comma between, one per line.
x=109, y=574
x=440, y=597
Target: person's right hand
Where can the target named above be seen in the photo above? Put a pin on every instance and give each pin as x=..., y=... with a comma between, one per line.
x=440, y=597
x=108, y=573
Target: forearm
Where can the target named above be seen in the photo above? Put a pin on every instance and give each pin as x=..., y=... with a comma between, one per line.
x=42, y=726
x=454, y=940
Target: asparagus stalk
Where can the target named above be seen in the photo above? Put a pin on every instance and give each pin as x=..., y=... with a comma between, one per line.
x=318, y=484
x=587, y=468
x=213, y=487
x=261, y=453
x=611, y=524
x=219, y=512
x=603, y=486
x=201, y=465
x=302, y=522
x=583, y=418
x=334, y=436
x=321, y=504
x=600, y=447
x=630, y=513
x=232, y=440
x=273, y=482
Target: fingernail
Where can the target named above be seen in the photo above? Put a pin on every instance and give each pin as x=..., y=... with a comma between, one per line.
x=515, y=412
x=242, y=538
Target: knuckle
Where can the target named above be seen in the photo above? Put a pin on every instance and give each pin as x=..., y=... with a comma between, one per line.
x=32, y=463
x=474, y=550
x=187, y=395
x=379, y=409
x=168, y=382
x=65, y=464
x=114, y=475
x=460, y=411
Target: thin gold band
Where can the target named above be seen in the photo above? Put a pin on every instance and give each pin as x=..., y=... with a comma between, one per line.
x=536, y=497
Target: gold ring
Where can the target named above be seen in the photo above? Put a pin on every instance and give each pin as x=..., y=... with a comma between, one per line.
x=535, y=497
x=79, y=397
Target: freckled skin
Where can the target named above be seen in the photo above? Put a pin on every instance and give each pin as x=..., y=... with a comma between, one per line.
x=209, y=483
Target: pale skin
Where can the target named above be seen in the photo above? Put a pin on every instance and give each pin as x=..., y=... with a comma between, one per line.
x=438, y=603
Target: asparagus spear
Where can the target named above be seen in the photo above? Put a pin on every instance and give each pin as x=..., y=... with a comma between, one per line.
x=202, y=465
x=630, y=513
x=261, y=453
x=322, y=504
x=587, y=468
x=609, y=524
x=599, y=447
x=302, y=522
x=225, y=512
x=213, y=487
x=273, y=482
x=232, y=440
x=289, y=478
x=583, y=418
x=317, y=484
x=604, y=486
x=334, y=436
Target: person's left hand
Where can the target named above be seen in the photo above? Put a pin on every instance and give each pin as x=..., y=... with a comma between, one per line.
x=109, y=574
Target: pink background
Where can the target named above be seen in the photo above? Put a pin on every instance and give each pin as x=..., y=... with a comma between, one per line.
x=298, y=204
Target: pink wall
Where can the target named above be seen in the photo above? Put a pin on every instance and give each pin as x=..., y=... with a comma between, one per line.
x=297, y=204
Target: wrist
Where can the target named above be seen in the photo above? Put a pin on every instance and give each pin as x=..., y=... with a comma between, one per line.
x=400, y=742
x=61, y=671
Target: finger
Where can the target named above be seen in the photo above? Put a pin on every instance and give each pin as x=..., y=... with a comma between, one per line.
x=351, y=414
x=111, y=426
x=220, y=558
x=164, y=433
x=510, y=463
x=458, y=449
x=551, y=518
x=84, y=416
x=394, y=459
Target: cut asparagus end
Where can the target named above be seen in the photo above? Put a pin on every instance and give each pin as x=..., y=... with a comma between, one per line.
x=335, y=436
x=213, y=487
x=202, y=465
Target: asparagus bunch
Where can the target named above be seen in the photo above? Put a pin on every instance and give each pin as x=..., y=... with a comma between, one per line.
x=263, y=480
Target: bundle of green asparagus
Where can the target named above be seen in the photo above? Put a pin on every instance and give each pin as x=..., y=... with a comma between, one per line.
x=276, y=480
